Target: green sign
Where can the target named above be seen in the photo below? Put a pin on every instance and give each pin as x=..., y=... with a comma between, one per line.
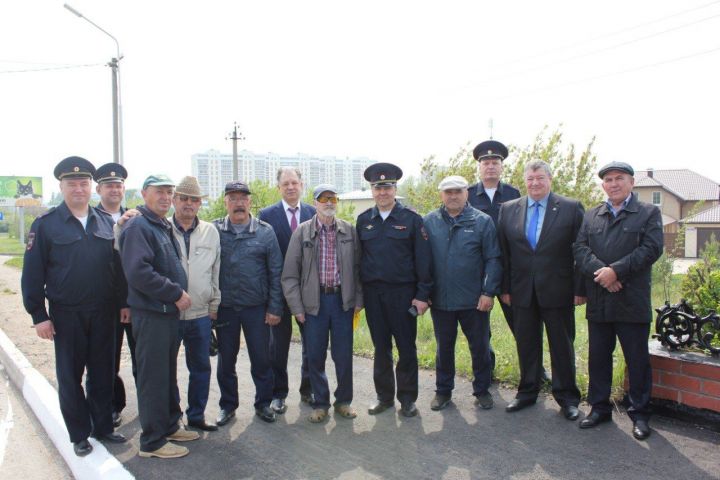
x=20, y=191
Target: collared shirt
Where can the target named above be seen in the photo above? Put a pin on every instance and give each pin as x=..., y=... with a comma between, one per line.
x=622, y=206
x=186, y=234
x=327, y=261
x=541, y=215
x=289, y=215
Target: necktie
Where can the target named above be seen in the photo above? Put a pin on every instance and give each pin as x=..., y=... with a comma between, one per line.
x=532, y=230
x=293, y=219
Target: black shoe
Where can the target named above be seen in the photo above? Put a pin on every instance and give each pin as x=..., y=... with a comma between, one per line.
x=641, y=429
x=484, y=400
x=571, y=412
x=308, y=398
x=278, y=405
x=408, y=409
x=379, y=407
x=519, y=404
x=111, y=437
x=440, y=402
x=266, y=414
x=202, y=425
x=224, y=417
x=116, y=419
x=82, y=448
x=595, y=419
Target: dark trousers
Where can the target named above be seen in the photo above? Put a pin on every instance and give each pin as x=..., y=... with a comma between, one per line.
x=476, y=327
x=560, y=326
x=386, y=311
x=195, y=334
x=122, y=329
x=251, y=320
x=280, y=336
x=84, y=339
x=634, y=342
x=334, y=324
x=156, y=349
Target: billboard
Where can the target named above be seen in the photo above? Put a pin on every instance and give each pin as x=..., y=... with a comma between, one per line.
x=20, y=191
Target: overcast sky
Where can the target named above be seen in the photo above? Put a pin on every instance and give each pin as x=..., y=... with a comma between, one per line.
x=393, y=81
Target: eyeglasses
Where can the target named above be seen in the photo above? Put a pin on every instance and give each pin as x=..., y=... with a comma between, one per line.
x=327, y=199
x=185, y=198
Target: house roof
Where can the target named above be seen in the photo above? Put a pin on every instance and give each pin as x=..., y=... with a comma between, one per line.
x=711, y=215
x=684, y=183
x=360, y=195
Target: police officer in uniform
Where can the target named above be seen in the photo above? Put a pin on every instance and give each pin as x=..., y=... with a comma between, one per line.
x=395, y=273
x=70, y=260
x=110, y=179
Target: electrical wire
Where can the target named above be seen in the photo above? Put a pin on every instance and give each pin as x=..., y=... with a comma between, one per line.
x=66, y=67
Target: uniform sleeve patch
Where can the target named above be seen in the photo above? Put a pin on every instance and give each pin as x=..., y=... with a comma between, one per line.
x=423, y=233
x=31, y=241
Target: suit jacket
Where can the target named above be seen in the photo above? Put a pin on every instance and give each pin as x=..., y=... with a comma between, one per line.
x=276, y=216
x=549, y=270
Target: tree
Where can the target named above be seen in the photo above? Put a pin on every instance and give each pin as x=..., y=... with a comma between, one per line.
x=573, y=176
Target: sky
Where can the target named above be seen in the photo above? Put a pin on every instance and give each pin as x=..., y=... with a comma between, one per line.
x=394, y=81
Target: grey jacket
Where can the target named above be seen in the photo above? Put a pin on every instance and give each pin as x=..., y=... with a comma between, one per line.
x=300, y=277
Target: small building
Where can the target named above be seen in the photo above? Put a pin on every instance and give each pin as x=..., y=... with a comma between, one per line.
x=699, y=229
x=679, y=194
x=360, y=199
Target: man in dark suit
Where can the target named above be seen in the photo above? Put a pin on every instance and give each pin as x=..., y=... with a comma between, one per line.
x=285, y=216
x=536, y=234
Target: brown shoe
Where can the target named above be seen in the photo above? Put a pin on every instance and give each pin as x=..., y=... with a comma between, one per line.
x=318, y=415
x=169, y=450
x=182, y=435
x=345, y=410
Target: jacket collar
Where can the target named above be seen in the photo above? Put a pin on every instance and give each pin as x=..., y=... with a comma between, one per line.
x=100, y=206
x=65, y=212
x=375, y=212
x=226, y=226
x=632, y=206
x=339, y=227
x=481, y=188
x=153, y=217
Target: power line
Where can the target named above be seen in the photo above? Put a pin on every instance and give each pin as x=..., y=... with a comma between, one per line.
x=611, y=74
x=66, y=67
x=607, y=35
x=593, y=52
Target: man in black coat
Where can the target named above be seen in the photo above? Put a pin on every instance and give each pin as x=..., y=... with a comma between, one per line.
x=617, y=245
x=536, y=235
x=284, y=217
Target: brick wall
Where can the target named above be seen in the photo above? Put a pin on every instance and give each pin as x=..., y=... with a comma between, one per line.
x=687, y=378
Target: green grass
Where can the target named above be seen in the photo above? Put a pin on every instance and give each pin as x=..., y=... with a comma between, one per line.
x=10, y=246
x=16, y=262
x=506, y=361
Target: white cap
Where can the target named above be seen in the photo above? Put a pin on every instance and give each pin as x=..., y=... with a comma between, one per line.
x=452, y=182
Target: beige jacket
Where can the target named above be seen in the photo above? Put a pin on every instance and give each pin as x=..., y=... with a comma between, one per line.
x=202, y=267
x=300, y=277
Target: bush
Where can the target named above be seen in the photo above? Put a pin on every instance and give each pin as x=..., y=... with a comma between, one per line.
x=701, y=285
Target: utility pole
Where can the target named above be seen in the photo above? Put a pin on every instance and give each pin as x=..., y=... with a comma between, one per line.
x=490, y=126
x=235, y=136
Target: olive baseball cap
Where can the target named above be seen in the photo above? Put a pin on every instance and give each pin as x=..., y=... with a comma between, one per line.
x=158, y=180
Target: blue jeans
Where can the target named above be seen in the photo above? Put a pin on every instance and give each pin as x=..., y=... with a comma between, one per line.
x=257, y=339
x=332, y=323
x=476, y=327
x=195, y=334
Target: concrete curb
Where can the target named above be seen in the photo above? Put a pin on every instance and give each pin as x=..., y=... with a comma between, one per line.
x=43, y=399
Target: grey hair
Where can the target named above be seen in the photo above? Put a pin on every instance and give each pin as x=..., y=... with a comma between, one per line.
x=537, y=165
x=294, y=170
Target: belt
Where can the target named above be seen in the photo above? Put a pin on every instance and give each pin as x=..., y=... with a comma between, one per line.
x=329, y=290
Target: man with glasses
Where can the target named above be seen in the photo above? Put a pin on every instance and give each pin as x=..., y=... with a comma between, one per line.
x=396, y=280
x=321, y=282
x=251, y=300
x=200, y=250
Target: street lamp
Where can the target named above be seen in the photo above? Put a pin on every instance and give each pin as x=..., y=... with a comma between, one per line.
x=116, y=106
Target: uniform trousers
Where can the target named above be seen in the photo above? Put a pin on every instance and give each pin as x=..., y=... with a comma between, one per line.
x=251, y=320
x=122, y=329
x=634, y=342
x=84, y=340
x=560, y=326
x=476, y=327
x=281, y=334
x=386, y=311
x=156, y=349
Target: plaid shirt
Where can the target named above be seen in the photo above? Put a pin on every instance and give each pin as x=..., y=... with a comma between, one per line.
x=328, y=271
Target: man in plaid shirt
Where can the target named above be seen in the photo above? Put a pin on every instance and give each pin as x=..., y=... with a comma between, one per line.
x=321, y=284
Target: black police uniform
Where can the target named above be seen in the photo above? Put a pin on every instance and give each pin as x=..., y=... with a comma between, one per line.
x=75, y=268
x=109, y=173
x=394, y=269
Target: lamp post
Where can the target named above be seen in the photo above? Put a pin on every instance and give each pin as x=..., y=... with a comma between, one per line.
x=114, y=65
x=235, y=136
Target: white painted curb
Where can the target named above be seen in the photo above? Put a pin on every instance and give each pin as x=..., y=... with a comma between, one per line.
x=43, y=399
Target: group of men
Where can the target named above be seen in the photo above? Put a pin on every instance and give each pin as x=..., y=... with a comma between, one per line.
x=161, y=281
